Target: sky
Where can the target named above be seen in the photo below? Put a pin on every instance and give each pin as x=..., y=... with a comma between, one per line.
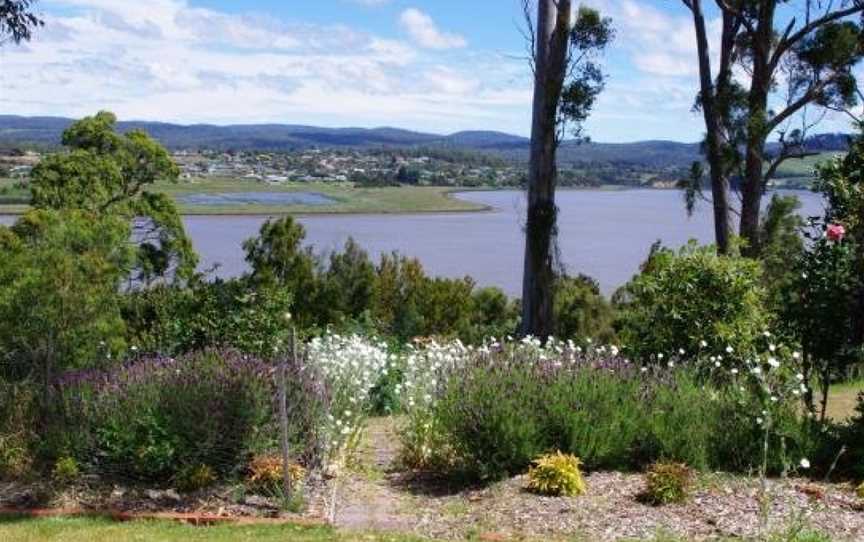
x=437, y=66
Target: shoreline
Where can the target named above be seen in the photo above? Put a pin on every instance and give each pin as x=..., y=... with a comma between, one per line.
x=451, y=194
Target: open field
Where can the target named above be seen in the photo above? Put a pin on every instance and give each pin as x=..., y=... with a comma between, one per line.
x=348, y=199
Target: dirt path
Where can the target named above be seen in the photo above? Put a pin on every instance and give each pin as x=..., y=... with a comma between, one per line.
x=367, y=498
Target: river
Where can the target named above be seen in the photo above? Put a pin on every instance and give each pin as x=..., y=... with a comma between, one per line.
x=604, y=234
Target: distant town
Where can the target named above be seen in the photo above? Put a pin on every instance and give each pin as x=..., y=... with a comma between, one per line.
x=378, y=167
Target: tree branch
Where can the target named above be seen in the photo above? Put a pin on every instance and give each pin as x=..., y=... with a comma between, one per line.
x=788, y=41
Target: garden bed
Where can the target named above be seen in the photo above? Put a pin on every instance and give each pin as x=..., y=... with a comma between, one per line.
x=375, y=494
x=229, y=502
x=378, y=495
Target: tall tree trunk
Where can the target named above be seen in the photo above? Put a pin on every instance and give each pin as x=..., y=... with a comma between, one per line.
x=550, y=67
x=712, y=112
x=757, y=130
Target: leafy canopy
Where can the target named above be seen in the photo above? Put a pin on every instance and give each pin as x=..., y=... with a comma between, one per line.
x=106, y=172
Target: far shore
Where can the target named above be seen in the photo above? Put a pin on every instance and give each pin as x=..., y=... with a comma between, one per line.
x=348, y=200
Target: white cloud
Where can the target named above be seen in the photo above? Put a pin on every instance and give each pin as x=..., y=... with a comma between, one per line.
x=166, y=60
x=426, y=33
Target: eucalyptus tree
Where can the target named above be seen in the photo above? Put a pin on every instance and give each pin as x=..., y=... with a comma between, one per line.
x=105, y=172
x=18, y=20
x=774, y=59
x=567, y=81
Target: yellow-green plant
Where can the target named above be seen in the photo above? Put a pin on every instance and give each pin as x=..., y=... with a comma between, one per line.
x=65, y=470
x=265, y=472
x=859, y=490
x=667, y=483
x=195, y=478
x=556, y=474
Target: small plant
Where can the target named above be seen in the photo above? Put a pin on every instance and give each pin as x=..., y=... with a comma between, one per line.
x=65, y=470
x=556, y=474
x=265, y=473
x=195, y=478
x=859, y=490
x=667, y=483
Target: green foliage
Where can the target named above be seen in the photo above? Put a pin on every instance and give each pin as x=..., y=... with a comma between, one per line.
x=682, y=298
x=65, y=470
x=495, y=416
x=667, y=483
x=347, y=285
x=151, y=419
x=18, y=20
x=173, y=319
x=590, y=35
x=556, y=474
x=18, y=424
x=782, y=246
x=59, y=277
x=495, y=315
x=105, y=172
x=581, y=310
x=195, y=478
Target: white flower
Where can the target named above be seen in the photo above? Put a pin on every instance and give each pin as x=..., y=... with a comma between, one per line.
x=681, y=351
x=805, y=463
x=799, y=376
x=729, y=350
x=703, y=343
x=773, y=362
x=772, y=347
x=734, y=371
x=671, y=364
x=759, y=421
x=659, y=356
x=796, y=355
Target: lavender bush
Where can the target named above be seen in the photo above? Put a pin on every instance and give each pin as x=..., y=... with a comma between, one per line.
x=152, y=417
x=490, y=410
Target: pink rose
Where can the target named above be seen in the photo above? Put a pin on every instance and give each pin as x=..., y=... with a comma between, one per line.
x=835, y=232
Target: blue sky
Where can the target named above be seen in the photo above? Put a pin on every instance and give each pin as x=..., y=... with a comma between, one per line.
x=431, y=65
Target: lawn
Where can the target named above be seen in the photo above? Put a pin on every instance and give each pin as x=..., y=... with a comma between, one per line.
x=347, y=198
x=103, y=530
x=842, y=399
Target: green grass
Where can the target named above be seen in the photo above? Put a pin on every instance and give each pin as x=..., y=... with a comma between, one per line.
x=103, y=530
x=348, y=199
x=842, y=399
x=803, y=167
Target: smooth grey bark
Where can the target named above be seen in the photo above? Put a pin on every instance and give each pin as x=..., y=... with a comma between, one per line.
x=712, y=111
x=550, y=69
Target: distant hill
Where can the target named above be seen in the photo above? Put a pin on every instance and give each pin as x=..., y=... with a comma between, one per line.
x=46, y=131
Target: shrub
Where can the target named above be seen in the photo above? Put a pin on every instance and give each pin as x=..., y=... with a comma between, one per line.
x=65, y=470
x=350, y=367
x=556, y=474
x=265, y=473
x=53, y=261
x=490, y=411
x=667, y=483
x=581, y=310
x=681, y=299
x=174, y=320
x=194, y=478
x=18, y=423
x=150, y=418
